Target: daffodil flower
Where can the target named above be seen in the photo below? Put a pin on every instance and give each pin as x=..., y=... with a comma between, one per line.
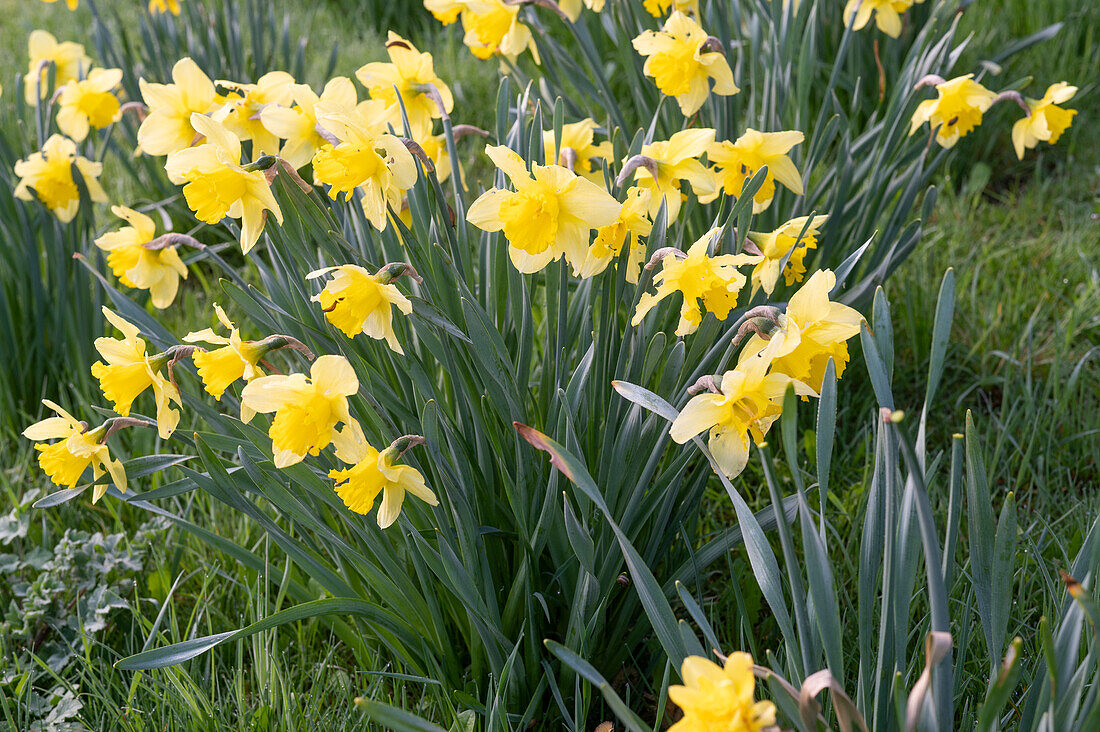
x=657, y=8
x=127, y=370
x=887, y=14
x=579, y=152
x=137, y=265
x=572, y=8
x=88, y=103
x=548, y=216
x=72, y=4
x=408, y=75
x=356, y=301
x=493, y=27
x=167, y=126
x=307, y=409
x=1047, y=120
x=680, y=66
x=675, y=160
x=242, y=110
x=68, y=59
x=736, y=163
x=164, y=6
x=717, y=697
x=700, y=278
x=811, y=331
x=373, y=472
x=235, y=359
x=77, y=448
x=216, y=185
x=633, y=223
x=956, y=110
x=48, y=175
x=297, y=125
x=445, y=11
x=776, y=245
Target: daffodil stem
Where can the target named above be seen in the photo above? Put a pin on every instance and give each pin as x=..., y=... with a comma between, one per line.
x=418, y=151
x=404, y=443
x=138, y=108
x=1013, y=96
x=705, y=383
x=172, y=239
x=568, y=158
x=277, y=342
x=114, y=424
x=929, y=80
x=460, y=131
x=396, y=270
x=662, y=253
x=631, y=165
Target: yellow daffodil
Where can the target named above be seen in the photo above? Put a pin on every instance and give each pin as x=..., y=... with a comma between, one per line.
x=445, y=11
x=408, y=74
x=135, y=264
x=72, y=4
x=633, y=223
x=1047, y=121
x=167, y=127
x=68, y=59
x=677, y=61
x=572, y=8
x=435, y=147
x=235, y=359
x=578, y=151
x=297, y=125
x=48, y=175
x=736, y=163
x=548, y=216
x=165, y=6
x=957, y=109
x=720, y=698
x=493, y=27
x=379, y=165
x=216, y=185
x=777, y=244
x=676, y=160
x=88, y=103
x=375, y=472
x=887, y=14
x=127, y=370
x=241, y=113
x=76, y=449
x=356, y=301
x=746, y=404
x=657, y=8
x=810, y=332
x=307, y=409
x=698, y=277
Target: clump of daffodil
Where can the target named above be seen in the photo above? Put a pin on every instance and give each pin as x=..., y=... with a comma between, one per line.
x=736, y=162
x=48, y=175
x=658, y=8
x=887, y=14
x=164, y=6
x=77, y=448
x=307, y=408
x=378, y=164
x=579, y=152
x=956, y=110
x=549, y=214
x=493, y=28
x=88, y=103
x=1047, y=121
x=68, y=59
x=409, y=75
x=138, y=262
x=811, y=331
x=572, y=8
x=632, y=224
x=167, y=126
x=662, y=165
x=243, y=105
x=297, y=125
x=712, y=281
x=796, y=237
x=373, y=472
x=717, y=697
x=216, y=185
x=681, y=60
x=127, y=370
x=356, y=301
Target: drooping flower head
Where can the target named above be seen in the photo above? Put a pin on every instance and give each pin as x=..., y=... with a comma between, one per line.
x=373, y=472
x=795, y=237
x=127, y=370
x=307, y=408
x=167, y=127
x=243, y=105
x=680, y=65
x=720, y=698
x=1047, y=121
x=579, y=152
x=706, y=282
x=956, y=110
x=887, y=14
x=136, y=265
x=297, y=125
x=811, y=331
x=216, y=185
x=632, y=224
x=676, y=160
x=235, y=359
x=68, y=59
x=736, y=163
x=356, y=301
x=493, y=27
x=48, y=175
x=88, y=103
x=549, y=214
x=77, y=448
x=406, y=75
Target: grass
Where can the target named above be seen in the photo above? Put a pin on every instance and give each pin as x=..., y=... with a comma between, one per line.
x=1023, y=238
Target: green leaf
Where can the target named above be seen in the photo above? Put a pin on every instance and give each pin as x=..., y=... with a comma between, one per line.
x=394, y=718
x=589, y=673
